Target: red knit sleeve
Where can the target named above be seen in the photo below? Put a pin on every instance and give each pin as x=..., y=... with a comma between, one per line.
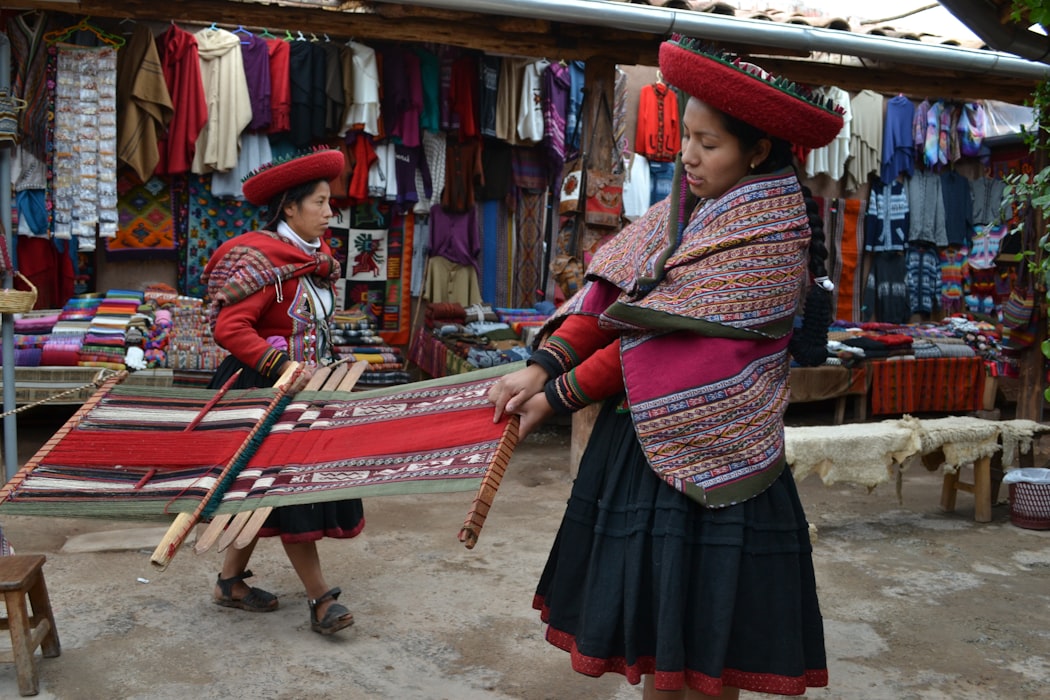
x=576, y=339
x=588, y=361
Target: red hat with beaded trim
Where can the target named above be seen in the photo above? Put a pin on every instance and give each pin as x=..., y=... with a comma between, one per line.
x=777, y=106
x=262, y=184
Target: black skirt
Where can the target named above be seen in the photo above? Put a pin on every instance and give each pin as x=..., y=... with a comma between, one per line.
x=299, y=523
x=644, y=580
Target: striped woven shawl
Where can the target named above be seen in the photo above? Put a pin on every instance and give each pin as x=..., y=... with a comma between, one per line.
x=707, y=293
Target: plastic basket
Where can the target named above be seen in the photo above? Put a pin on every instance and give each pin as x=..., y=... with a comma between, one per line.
x=1030, y=505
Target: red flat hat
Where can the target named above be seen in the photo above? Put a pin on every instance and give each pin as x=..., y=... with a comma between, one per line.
x=742, y=90
x=276, y=177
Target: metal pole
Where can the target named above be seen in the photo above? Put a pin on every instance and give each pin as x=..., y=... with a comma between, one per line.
x=10, y=425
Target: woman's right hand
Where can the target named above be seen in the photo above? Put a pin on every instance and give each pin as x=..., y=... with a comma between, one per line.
x=512, y=390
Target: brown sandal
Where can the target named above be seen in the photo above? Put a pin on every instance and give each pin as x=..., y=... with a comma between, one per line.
x=256, y=600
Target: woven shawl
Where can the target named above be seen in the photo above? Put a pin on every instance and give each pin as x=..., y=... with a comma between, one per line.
x=254, y=260
x=706, y=303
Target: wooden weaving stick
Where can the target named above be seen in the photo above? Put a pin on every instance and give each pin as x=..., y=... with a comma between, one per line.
x=184, y=522
x=221, y=522
x=468, y=534
x=74, y=420
x=346, y=381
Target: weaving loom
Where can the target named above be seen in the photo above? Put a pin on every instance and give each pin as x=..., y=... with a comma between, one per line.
x=233, y=455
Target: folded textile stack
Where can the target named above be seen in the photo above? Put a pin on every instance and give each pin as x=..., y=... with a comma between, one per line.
x=455, y=340
x=354, y=338
x=104, y=342
x=32, y=331
x=190, y=345
x=67, y=336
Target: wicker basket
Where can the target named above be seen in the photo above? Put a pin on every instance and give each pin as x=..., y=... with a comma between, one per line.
x=1030, y=505
x=16, y=300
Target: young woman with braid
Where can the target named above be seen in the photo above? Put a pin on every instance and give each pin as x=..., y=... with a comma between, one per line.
x=270, y=301
x=684, y=554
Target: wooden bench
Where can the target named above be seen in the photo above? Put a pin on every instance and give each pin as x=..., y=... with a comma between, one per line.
x=22, y=576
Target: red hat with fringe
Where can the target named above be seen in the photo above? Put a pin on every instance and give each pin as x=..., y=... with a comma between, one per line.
x=742, y=90
x=261, y=185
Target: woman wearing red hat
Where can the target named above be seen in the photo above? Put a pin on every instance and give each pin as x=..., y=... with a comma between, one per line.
x=270, y=301
x=684, y=554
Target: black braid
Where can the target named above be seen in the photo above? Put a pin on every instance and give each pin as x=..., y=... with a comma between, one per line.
x=809, y=344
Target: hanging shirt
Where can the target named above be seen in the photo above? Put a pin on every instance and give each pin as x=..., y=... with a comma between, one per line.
x=462, y=170
x=254, y=153
x=307, y=65
x=364, y=109
x=229, y=105
x=508, y=99
x=180, y=59
x=636, y=187
x=958, y=208
x=658, y=135
x=831, y=159
x=334, y=93
x=898, y=149
x=488, y=67
x=255, y=53
x=576, y=80
x=454, y=236
x=530, y=114
x=430, y=77
x=556, y=85
x=887, y=220
x=280, y=86
x=865, y=143
x=463, y=95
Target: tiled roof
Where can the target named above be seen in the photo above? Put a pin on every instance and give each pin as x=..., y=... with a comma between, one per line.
x=812, y=20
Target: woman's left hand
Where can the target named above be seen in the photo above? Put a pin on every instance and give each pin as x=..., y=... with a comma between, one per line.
x=512, y=390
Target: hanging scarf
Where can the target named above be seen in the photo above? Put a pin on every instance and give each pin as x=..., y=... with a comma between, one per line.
x=709, y=298
x=257, y=259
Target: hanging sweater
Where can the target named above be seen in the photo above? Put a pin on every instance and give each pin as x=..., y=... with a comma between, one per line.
x=658, y=136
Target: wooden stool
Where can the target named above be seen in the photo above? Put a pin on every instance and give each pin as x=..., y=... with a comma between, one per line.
x=981, y=488
x=22, y=575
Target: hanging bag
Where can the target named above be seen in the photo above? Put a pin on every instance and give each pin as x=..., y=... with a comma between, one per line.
x=14, y=300
x=604, y=183
x=566, y=265
x=573, y=174
x=1018, y=327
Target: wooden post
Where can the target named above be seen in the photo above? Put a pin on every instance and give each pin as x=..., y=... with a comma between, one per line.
x=1031, y=375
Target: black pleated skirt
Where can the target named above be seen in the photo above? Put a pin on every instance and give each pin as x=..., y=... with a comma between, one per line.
x=298, y=523
x=643, y=580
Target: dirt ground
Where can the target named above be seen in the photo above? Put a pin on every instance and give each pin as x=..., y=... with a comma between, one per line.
x=918, y=604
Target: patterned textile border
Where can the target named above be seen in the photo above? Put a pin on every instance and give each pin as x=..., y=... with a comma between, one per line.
x=434, y=436
x=128, y=455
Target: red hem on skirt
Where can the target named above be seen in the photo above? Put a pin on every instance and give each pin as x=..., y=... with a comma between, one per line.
x=676, y=680
x=313, y=535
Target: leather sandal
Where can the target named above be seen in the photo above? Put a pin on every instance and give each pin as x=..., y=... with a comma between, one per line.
x=256, y=600
x=336, y=617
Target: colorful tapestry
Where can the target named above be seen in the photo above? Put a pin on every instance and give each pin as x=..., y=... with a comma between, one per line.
x=843, y=230
x=943, y=385
x=377, y=274
x=530, y=217
x=146, y=220
x=125, y=453
x=211, y=222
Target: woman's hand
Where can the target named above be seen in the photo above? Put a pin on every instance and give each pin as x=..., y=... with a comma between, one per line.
x=513, y=390
x=533, y=413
